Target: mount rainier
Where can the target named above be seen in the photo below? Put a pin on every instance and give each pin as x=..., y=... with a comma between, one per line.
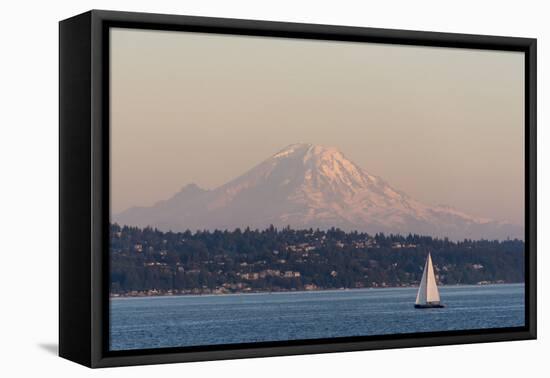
x=311, y=186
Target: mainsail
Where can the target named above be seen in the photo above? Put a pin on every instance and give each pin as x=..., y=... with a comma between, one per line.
x=427, y=292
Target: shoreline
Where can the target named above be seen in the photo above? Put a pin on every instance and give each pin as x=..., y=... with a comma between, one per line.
x=205, y=294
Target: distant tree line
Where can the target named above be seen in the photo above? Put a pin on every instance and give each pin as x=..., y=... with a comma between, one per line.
x=151, y=261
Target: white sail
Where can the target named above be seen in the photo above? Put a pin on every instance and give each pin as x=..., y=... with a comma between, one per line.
x=422, y=292
x=428, y=292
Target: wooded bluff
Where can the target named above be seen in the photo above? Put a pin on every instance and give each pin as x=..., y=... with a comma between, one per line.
x=151, y=262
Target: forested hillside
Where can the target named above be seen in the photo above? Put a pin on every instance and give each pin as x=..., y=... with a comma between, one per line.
x=149, y=262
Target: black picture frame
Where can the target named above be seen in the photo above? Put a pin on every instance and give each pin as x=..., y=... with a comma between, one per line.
x=84, y=186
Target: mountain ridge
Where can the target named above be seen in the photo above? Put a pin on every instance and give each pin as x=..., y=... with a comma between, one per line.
x=311, y=186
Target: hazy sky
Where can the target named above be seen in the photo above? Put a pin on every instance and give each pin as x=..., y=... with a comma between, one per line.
x=443, y=125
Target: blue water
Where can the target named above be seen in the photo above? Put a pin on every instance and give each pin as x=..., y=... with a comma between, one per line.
x=157, y=322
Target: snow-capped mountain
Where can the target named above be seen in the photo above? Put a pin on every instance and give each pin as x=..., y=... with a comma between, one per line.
x=305, y=186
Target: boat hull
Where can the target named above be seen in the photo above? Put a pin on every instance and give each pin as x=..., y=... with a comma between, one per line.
x=429, y=305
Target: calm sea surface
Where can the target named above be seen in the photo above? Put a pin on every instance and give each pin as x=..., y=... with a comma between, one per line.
x=157, y=322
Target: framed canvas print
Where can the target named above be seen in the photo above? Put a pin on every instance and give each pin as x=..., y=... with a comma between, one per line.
x=235, y=188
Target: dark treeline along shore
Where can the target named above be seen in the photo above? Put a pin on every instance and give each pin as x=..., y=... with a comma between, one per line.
x=152, y=262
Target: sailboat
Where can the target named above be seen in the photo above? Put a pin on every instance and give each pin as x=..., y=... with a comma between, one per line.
x=428, y=294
